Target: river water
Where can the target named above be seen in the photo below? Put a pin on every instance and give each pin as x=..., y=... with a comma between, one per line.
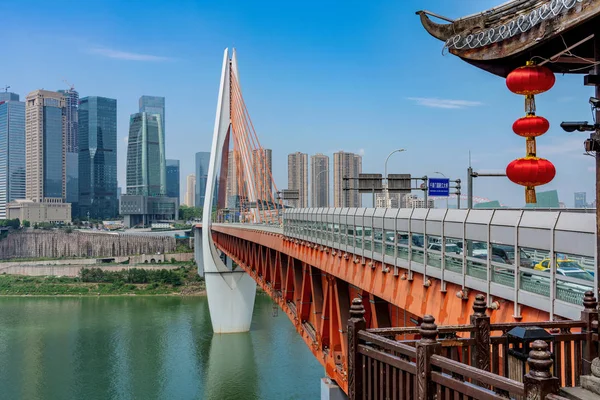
x=130, y=348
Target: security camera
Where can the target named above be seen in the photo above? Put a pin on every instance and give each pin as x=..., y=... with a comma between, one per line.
x=595, y=102
x=580, y=126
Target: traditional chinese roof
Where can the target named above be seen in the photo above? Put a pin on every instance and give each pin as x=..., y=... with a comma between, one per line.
x=503, y=38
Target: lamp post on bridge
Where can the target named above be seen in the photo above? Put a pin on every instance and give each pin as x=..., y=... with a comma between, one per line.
x=385, y=188
x=473, y=174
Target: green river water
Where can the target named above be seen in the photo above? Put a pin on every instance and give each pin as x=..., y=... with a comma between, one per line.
x=147, y=348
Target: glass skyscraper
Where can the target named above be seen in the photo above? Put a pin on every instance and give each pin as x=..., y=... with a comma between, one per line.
x=202, y=161
x=146, y=169
x=98, y=158
x=71, y=147
x=173, y=179
x=12, y=150
x=154, y=105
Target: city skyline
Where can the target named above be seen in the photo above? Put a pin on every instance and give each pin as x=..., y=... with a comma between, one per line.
x=435, y=108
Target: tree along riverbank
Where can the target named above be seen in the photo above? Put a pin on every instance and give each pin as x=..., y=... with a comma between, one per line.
x=182, y=281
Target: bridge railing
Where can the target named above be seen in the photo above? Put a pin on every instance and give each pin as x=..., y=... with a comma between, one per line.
x=479, y=366
x=542, y=259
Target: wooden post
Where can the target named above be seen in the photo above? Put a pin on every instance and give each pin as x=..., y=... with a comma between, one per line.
x=481, y=321
x=356, y=323
x=426, y=347
x=590, y=316
x=539, y=382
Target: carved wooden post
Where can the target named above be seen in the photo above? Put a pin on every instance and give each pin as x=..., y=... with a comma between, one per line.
x=539, y=382
x=590, y=316
x=356, y=323
x=426, y=347
x=481, y=353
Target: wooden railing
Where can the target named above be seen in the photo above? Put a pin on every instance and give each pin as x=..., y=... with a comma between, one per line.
x=443, y=365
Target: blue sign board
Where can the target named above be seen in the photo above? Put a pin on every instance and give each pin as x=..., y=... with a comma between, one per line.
x=439, y=187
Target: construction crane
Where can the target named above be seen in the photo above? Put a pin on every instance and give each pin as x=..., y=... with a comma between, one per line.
x=71, y=87
x=6, y=88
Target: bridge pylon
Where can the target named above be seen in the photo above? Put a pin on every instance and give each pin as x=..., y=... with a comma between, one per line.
x=231, y=292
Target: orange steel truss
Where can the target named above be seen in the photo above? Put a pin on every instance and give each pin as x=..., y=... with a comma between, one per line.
x=314, y=286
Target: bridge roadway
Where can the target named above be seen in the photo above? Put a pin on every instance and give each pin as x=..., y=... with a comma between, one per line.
x=412, y=262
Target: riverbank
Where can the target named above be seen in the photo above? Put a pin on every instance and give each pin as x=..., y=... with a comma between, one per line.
x=183, y=281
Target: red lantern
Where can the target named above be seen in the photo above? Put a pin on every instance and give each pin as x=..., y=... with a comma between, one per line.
x=530, y=172
x=531, y=126
x=530, y=80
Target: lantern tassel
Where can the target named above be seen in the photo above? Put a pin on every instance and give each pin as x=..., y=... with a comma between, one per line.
x=530, y=195
x=530, y=104
x=530, y=147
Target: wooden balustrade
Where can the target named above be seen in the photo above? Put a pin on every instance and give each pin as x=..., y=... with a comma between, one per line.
x=443, y=366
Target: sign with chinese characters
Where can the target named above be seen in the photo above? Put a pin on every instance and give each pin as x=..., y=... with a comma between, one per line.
x=439, y=187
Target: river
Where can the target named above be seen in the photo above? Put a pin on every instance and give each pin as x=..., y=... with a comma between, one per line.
x=130, y=348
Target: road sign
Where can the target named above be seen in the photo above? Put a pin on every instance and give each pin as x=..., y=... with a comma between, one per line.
x=439, y=187
x=368, y=183
x=399, y=183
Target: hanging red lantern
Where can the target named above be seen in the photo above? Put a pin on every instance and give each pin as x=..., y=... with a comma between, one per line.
x=530, y=172
x=530, y=80
x=531, y=126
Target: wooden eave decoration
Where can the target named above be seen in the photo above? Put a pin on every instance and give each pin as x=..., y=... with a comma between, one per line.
x=503, y=38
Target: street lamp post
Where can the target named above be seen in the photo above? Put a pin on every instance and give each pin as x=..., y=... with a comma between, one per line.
x=444, y=177
x=387, y=193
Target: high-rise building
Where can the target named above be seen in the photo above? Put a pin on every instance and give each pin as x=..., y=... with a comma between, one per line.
x=233, y=166
x=345, y=193
x=97, y=143
x=262, y=164
x=202, y=161
x=146, y=170
x=298, y=178
x=413, y=201
x=581, y=200
x=319, y=169
x=71, y=147
x=190, y=193
x=173, y=179
x=45, y=149
x=9, y=96
x=154, y=105
x=395, y=200
x=12, y=150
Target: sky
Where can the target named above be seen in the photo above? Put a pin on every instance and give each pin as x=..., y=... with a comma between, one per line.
x=317, y=77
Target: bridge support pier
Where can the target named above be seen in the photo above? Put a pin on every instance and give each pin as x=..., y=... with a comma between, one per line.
x=331, y=391
x=198, y=251
x=230, y=300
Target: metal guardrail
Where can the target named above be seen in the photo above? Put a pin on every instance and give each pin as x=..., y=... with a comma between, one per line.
x=453, y=246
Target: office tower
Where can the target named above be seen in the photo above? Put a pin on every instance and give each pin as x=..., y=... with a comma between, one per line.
x=146, y=170
x=98, y=193
x=12, y=150
x=202, y=161
x=262, y=164
x=154, y=105
x=173, y=179
x=298, y=178
x=319, y=169
x=233, y=169
x=395, y=200
x=580, y=200
x=9, y=96
x=71, y=147
x=345, y=193
x=190, y=193
x=45, y=150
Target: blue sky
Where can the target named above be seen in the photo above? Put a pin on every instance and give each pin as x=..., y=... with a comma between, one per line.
x=318, y=76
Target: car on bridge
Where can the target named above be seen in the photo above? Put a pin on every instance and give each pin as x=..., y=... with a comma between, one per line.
x=507, y=254
x=545, y=264
x=450, y=247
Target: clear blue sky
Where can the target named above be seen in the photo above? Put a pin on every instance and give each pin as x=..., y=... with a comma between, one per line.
x=318, y=76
